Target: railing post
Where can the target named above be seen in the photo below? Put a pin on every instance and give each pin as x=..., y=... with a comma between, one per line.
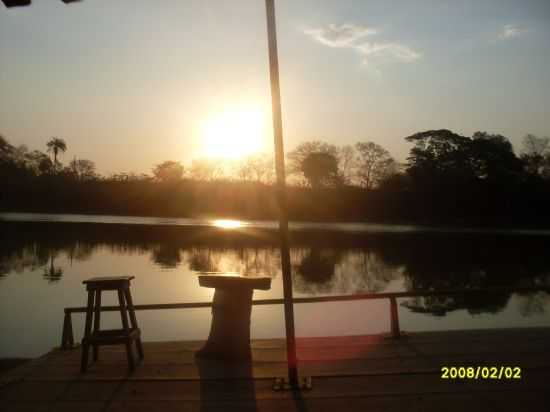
x=394, y=315
x=67, y=338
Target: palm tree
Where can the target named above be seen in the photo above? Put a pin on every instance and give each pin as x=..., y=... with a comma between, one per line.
x=56, y=145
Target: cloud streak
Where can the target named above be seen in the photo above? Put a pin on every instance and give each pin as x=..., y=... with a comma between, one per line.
x=344, y=35
x=510, y=31
x=354, y=37
x=392, y=50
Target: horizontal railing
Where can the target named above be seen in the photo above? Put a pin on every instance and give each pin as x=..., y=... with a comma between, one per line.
x=67, y=340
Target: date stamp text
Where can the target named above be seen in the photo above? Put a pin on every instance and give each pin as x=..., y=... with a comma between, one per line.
x=481, y=372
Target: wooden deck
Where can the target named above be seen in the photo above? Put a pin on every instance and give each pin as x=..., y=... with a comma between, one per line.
x=358, y=373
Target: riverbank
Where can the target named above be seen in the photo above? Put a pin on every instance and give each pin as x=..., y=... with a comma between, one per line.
x=441, y=205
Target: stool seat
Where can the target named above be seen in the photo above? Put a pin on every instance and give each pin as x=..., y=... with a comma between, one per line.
x=127, y=335
x=107, y=282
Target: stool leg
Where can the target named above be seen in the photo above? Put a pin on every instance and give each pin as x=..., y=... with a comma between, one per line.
x=97, y=317
x=87, y=330
x=133, y=320
x=124, y=318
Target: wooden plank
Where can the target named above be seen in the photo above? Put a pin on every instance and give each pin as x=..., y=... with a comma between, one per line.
x=411, y=403
x=515, y=401
x=454, y=402
x=258, y=355
x=32, y=391
x=181, y=353
x=329, y=387
x=23, y=406
x=87, y=391
x=492, y=335
x=351, y=373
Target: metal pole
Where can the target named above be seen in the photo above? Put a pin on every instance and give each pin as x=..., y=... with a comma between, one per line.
x=281, y=193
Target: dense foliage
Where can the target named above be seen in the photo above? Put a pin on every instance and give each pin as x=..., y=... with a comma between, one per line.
x=448, y=178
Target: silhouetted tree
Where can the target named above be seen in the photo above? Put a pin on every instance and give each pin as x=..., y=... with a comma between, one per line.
x=297, y=156
x=168, y=171
x=347, y=164
x=83, y=169
x=262, y=167
x=320, y=169
x=258, y=168
x=35, y=162
x=20, y=155
x=492, y=157
x=205, y=170
x=56, y=145
x=374, y=163
x=438, y=153
x=244, y=171
x=536, y=155
x=130, y=177
x=9, y=167
x=441, y=155
x=6, y=149
x=43, y=163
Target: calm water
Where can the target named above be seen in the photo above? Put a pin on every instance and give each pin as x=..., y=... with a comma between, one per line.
x=44, y=258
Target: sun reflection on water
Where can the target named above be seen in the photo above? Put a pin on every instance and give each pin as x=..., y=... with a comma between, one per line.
x=228, y=223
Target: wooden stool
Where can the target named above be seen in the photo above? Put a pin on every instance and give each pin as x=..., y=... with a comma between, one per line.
x=127, y=335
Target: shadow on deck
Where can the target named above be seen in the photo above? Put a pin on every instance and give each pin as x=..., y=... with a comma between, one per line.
x=349, y=373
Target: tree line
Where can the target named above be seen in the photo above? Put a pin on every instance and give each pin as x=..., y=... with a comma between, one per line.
x=312, y=164
x=447, y=178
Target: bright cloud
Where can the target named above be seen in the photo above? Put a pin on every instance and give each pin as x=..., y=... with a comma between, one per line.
x=392, y=50
x=344, y=35
x=510, y=31
x=353, y=36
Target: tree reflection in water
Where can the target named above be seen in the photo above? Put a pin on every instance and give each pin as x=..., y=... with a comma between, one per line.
x=250, y=261
x=329, y=271
x=323, y=262
x=52, y=273
x=166, y=256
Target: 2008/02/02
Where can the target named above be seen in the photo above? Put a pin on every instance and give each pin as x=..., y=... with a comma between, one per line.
x=481, y=372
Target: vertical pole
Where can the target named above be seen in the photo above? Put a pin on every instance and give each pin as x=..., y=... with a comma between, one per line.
x=70, y=334
x=281, y=192
x=394, y=314
x=64, y=336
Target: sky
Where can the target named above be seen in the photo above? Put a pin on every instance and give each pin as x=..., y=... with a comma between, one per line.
x=131, y=83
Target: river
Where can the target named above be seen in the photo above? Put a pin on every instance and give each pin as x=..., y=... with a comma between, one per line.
x=45, y=258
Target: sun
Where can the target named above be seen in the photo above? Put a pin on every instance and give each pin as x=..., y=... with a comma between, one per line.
x=234, y=133
x=228, y=223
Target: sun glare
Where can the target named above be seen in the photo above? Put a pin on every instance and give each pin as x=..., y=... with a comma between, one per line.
x=234, y=133
x=228, y=223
